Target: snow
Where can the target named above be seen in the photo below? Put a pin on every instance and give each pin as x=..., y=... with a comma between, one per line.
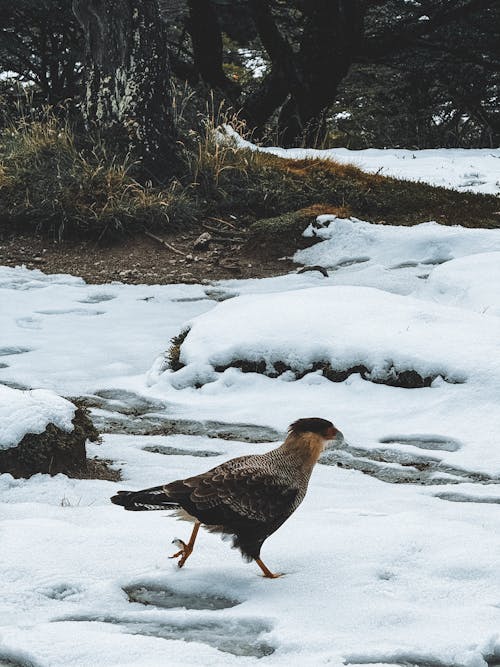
x=23, y=412
x=393, y=556
x=469, y=282
x=353, y=240
x=474, y=170
x=322, y=324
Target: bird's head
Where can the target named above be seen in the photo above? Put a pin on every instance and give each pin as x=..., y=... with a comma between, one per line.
x=322, y=427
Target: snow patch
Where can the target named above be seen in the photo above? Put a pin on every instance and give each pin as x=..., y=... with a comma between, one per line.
x=346, y=327
x=471, y=169
x=23, y=412
x=391, y=246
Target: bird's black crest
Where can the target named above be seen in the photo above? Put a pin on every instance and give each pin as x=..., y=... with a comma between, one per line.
x=310, y=425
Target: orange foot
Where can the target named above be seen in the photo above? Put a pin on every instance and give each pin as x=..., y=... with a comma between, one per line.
x=266, y=572
x=185, y=551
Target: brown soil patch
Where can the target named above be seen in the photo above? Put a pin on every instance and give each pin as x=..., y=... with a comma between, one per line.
x=140, y=259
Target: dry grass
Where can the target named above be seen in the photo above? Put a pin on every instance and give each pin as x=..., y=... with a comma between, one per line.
x=48, y=183
x=51, y=180
x=174, y=351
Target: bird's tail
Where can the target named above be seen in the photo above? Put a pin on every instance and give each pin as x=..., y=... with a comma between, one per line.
x=156, y=498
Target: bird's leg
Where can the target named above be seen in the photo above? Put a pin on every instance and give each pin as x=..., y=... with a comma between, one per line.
x=186, y=549
x=267, y=572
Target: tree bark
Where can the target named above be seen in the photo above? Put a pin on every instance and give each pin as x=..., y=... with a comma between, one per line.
x=128, y=80
x=206, y=37
x=309, y=77
x=333, y=31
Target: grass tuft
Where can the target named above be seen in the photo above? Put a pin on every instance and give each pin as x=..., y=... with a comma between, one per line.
x=52, y=180
x=174, y=351
x=47, y=183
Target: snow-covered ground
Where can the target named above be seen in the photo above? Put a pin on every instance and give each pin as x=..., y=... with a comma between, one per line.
x=402, y=573
x=475, y=170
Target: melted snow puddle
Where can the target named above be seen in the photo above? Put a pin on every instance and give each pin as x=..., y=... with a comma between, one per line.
x=402, y=467
x=14, y=659
x=165, y=598
x=239, y=637
x=432, y=442
x=412, y=660
x=97, y=298
x=177, y=451
x=120, y=411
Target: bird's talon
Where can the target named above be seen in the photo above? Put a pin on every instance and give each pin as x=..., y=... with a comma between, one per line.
x=184, y=552
x=179, y=543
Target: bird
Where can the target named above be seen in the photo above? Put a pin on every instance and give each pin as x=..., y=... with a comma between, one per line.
x=246, y=498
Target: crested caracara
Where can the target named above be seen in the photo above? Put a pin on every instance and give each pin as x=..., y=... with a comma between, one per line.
x=248, y=497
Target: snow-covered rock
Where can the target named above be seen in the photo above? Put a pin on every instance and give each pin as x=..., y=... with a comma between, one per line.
x=350, y=240
x=352, y=329
x=23, y=412
x=41, y=432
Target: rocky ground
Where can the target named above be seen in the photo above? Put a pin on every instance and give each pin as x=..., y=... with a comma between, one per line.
x=144, y=258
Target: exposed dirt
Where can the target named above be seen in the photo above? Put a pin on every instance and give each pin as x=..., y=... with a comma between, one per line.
x=142, y=259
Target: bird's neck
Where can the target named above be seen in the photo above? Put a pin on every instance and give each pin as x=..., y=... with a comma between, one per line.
x=304, y=448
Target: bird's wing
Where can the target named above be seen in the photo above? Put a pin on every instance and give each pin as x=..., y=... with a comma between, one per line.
x=242, y=488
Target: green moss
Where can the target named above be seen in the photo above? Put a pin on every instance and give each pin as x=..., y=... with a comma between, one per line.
x=277, y=236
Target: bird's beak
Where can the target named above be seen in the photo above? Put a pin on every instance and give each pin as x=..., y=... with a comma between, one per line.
x=335, y=439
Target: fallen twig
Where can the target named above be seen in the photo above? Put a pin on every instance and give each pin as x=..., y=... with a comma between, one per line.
x=321, y=269
x=224, y=222
x=167, y=245
x=223, y=239
x=214, y=230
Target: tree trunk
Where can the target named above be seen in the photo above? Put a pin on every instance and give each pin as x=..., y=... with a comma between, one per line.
x=127, y=95
x=308, y=78
x=206, y=37
x=333, y=31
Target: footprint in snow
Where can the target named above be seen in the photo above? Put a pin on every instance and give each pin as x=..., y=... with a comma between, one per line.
x=404, y=660
x=29, y=323
x=177, y=451
x=97, y=298
x=13, y=349
x=62, y=591
x=190, y=299
x=463, y=498
x=81, y=312
x=424, y=441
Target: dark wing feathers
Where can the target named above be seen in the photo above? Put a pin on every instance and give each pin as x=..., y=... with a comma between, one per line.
x=146, y=499
x=236, y=490
x=243, y=497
